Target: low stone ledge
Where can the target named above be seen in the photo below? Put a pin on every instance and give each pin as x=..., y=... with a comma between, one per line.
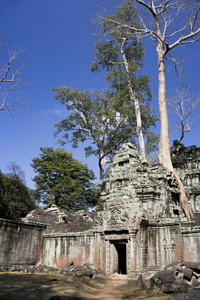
x=13, y=223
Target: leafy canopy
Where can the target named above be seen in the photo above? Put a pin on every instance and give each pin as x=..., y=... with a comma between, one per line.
x=95, y=117
x=64, y=181
x=108, y=119
x=16, y=200
x=108, y=57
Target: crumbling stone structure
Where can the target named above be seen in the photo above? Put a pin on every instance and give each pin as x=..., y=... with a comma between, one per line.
x=20, y=243
x=186, y=161
x=141, y=228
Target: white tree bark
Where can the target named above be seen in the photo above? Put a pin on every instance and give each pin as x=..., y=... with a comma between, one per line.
x=164, y=144
x=102, y=163
x=164, y=14
x=137, y=107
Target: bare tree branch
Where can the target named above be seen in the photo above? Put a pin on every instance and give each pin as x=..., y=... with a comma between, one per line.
x=168, y=34
x=183, y=104
x=195, y=19
x=10, y=80
x=185, y=39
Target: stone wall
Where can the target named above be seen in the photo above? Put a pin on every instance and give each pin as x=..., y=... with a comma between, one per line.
x=190, y=234
x=141, y=229
x=62, y=248
x=186, y=161
x=20, y=243
x=69, y=237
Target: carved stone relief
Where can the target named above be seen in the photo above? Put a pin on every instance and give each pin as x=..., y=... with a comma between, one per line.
x=118, y=217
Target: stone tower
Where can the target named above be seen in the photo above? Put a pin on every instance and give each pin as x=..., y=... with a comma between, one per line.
x=141, y=214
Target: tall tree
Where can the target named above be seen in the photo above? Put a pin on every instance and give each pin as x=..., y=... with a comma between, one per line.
x=101, y=119
x=171, y=23
x=10, y=80
x=16, y=200
x=116, y=116
x=122, y=57
x=63, y=181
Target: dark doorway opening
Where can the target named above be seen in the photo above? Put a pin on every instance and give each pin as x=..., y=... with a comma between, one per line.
x=121, y=251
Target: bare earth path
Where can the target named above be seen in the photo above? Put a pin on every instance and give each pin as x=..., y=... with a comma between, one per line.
x=15, y=286
x=118, y=287
x=113, y=288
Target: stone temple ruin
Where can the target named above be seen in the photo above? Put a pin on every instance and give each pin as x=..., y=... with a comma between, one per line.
x=140, y=230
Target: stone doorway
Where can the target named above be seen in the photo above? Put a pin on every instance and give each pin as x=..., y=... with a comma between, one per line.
x=119, y=257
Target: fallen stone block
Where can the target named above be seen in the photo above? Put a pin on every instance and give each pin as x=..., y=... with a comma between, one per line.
x=179, y=297
x=141, y=282
x=167, y=276
x=171, y=287
x=187, y=272
x=193, y=294
x=193, y=265
x=79, y=268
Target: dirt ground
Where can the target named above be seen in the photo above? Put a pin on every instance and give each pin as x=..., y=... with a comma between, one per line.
x=19, y=286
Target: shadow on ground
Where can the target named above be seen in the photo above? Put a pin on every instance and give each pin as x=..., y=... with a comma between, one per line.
x=15, y=286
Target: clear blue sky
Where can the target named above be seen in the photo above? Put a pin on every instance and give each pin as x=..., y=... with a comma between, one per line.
x=58, y=50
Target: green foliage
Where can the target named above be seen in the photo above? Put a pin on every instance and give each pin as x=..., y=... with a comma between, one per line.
x=108, y=57
x=94, y=116
x=63, y=181
x=16, y=200
x=108, y=119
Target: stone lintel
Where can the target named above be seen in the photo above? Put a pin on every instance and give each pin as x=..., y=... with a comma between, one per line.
x=115, y=229
x=116, y=237
x=69, y=234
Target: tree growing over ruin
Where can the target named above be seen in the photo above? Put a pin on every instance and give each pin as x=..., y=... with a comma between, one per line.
x=182, y=104
x=171, y=24
x=10, y=80
x=64, y=181
x=121, y=55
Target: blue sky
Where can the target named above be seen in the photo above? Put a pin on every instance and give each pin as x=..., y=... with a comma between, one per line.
x=58, y=50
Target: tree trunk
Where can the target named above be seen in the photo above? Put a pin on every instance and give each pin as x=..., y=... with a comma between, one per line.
x=164, y=144
x=102, y=163
x=182, y=132
x=137, y=108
